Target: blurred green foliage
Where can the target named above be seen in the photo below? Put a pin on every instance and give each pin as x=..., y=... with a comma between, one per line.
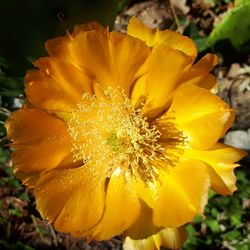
x=193, y=31
x=26, y=25
x=11, y=86
x=226, y=221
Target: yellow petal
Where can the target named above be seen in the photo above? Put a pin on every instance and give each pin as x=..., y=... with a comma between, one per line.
x=72, y=199
x=112, y=59
x=138, y=95
x=171, y=238
x=143, y=226
x=167, y=37
x=87, y=27
x=222, y=159
x=57, y=47
x=146, y=192
x=41, y=141
x=160, y=86
x=143, y=234
x=183, y=194
x=58, y=86
x=95, y=217
x=122, y=207
x=199, y=72
x=28, y=178
x=207, y=82
x=203, y=116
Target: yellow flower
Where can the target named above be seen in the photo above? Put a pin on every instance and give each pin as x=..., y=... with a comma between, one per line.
x=119, y=135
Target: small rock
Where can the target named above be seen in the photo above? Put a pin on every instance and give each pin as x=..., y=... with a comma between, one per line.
x=238, y=139
x=181, y=5
x=234, y=70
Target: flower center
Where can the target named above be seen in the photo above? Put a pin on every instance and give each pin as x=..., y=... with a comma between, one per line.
x=106, y=129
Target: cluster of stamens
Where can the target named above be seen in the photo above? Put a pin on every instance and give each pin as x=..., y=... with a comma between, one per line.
x=106, y=129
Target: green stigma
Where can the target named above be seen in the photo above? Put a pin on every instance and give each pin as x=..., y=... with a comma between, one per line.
x=114, y=142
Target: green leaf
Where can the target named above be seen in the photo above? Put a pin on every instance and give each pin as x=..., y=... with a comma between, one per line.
x=213, y=225
x=235, y=205
x=191, y=230
x=211, y=194
x=232, y=235
x=231, y=36
x=214, y=212
x=246, y=247
x=240, y=2
x=24, y=196
x=14, y=211
x=3, y=156
x=224, y=201
x=201, y=43
x=198, y=219
x=193, y=32
x=241, y=176
x=15, y=182
x=8, y=171
x=235, y=219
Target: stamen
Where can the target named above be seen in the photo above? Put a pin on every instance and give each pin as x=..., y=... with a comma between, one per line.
x=108, y=129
